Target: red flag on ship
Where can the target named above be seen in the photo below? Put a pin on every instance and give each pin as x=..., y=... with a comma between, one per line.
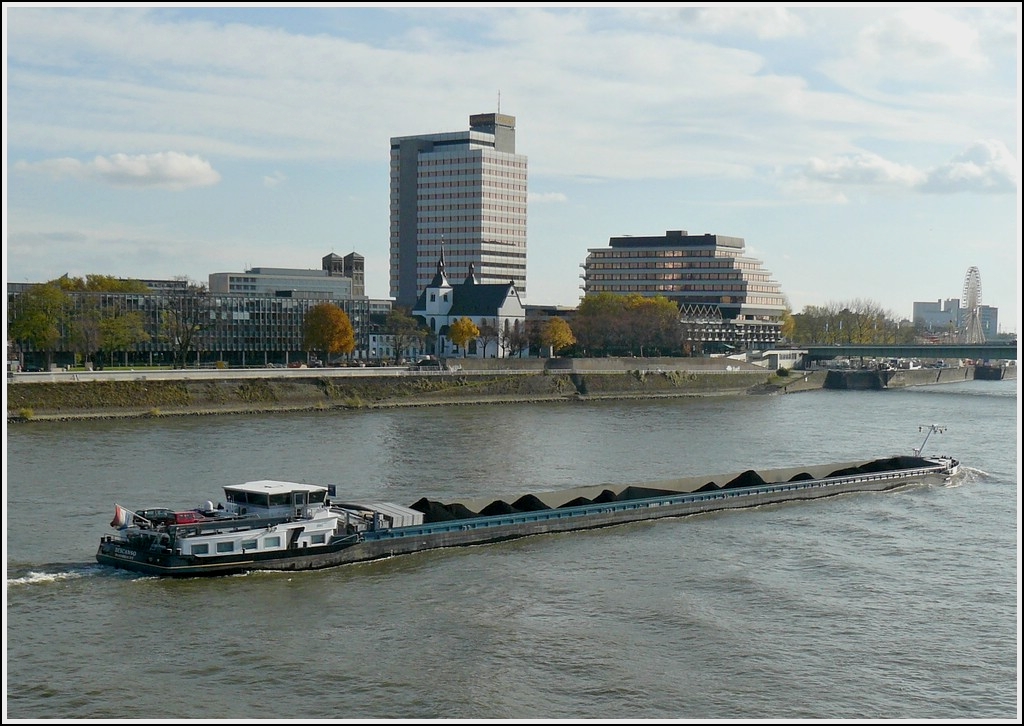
x=122, y=517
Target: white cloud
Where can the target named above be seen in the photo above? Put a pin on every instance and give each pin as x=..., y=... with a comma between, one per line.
x=547, y=198
x=922, y=36
x=908, y=52
x=163, y=170
x=984, y=166
x=761, y=22
x=862, y=169
x=274, y=179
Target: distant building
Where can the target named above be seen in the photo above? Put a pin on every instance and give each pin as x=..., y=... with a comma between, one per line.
x=947, y=318
x=726, y=299
x=251, y=318
x=328, y=284
x=496, y=307
x=351, y=266
x=465, y=191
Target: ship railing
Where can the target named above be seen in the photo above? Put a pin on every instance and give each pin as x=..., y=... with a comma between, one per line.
x=218, y=526
x=588, y=510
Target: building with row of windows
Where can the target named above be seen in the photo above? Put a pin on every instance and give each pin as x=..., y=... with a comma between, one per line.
x=462, y=191
x=947, y=319
x=252, y=318
x=724, y=296
x=339, y=278
x=459, y=206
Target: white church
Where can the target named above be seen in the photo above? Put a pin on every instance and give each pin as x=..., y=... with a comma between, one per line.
x=494, y=306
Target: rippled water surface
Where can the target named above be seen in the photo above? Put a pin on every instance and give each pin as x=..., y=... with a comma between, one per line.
x=896, y=605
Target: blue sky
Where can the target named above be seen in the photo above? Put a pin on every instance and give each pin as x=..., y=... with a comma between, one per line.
x=865, y=152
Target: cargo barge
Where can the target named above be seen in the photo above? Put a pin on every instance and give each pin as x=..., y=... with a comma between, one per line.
x=277, y=525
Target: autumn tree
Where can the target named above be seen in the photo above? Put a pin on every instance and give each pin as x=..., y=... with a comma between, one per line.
x=653, y=324
x=327, y=328
x=461, y=332
x=405, y=331
x=556, y=334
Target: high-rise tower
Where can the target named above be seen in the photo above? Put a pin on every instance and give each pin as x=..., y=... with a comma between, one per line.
x=465, y=192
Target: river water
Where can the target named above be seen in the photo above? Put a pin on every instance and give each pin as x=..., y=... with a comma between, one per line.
x=898, y=605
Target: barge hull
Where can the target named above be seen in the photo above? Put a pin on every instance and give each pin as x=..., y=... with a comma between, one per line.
x=497, y=528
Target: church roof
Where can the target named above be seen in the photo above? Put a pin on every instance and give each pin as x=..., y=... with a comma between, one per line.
x=478, y=299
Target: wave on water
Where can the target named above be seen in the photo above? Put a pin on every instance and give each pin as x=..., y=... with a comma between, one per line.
x=994, y=389
x=967, y=475
x=47, y=574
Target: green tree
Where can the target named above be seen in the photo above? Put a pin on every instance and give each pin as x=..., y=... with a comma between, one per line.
x=86, y=338
x=557, y=334
x=102, y=283
x=599, y=325
x=461, y=332
x=788, y=324
x=39, y=317
x=405, y=331
x=653, y=324
x=327, y=328
x=856, y=322
x=121, y=330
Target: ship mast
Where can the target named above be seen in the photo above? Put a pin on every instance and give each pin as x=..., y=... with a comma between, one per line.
x=931, y=428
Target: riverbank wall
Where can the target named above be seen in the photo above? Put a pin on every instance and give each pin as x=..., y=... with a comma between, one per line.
x=155, y=393
x=876, y=380
x=171, y=393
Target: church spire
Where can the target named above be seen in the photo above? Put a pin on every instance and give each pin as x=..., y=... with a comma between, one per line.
x=440, y=280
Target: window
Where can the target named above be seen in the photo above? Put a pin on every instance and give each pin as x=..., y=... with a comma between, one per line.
x=317, y=538
x=250, y=544
x=225, y=546
x=272, y=542
x=200, y=549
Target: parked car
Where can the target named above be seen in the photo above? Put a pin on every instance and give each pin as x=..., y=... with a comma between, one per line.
x=430, y=363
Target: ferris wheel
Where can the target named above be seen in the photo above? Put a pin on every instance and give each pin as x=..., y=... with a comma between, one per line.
x=972, y=331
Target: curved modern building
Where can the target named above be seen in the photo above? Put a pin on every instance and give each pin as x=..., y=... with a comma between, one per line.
x=723, y=295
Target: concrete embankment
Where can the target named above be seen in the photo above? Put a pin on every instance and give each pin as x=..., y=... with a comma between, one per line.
x=875, y=380
x=150, y=393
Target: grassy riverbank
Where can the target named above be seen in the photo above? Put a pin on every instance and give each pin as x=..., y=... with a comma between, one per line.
x=151, y=398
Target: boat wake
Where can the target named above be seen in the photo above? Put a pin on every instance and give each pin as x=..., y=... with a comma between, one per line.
x=967, y=475
x=57, y=572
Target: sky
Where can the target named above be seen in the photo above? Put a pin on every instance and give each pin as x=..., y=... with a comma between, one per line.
x=865, y=152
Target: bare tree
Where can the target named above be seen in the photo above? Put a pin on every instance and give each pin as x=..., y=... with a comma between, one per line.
x=186, y=314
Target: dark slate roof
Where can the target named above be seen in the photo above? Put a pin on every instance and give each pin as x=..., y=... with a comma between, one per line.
x=478, y=299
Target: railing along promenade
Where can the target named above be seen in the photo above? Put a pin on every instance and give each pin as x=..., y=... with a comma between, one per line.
x=455, y=368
